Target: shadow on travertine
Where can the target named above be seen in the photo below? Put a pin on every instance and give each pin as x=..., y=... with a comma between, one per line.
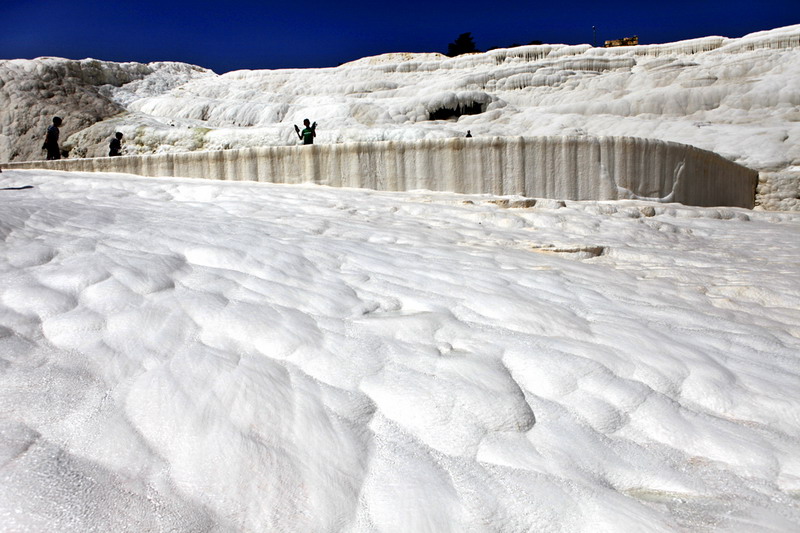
x=555, y=167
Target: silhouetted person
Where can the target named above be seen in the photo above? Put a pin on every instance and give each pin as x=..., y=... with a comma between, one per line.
x=308, y=133
x=469, y=133
x=115, y=146
x=51, y=140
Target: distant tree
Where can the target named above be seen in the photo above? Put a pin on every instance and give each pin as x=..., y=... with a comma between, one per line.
x=462, y=45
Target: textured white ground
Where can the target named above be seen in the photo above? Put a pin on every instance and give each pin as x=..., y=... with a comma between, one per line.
x=185, y=355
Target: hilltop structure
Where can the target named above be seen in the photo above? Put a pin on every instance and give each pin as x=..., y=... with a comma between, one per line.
x=625, y=41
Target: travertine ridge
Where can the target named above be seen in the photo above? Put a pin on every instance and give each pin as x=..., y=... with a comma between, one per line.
x=557, y=167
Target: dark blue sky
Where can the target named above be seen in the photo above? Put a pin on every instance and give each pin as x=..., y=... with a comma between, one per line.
x=259, y=34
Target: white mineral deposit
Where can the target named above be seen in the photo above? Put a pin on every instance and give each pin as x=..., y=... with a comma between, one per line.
x=737, y=97
x=227, y=356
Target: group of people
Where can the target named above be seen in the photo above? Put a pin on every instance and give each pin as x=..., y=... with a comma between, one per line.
x=306, y=135
x=54, y=150
x=115, y=146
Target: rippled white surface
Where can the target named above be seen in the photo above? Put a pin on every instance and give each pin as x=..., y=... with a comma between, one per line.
x=192, y=356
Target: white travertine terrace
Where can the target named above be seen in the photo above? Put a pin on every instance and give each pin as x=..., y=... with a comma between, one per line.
x=570, y=168
x=208, y=356
x=736, y=97
x=224, y=356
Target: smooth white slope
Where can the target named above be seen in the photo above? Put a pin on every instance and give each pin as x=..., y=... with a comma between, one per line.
x=179, y=354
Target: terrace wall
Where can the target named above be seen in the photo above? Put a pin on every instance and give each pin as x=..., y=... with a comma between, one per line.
x=557, y=167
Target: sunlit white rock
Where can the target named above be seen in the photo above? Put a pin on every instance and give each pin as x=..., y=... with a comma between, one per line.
x=735, y=97
x=556, y=167
x=193, y=355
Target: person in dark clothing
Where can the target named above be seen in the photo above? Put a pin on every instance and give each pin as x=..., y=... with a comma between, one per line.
x=51, y=140
x=308, y=133
x=469, y=133
x=115, y=146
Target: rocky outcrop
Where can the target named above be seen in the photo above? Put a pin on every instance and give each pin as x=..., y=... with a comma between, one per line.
x=32, y=92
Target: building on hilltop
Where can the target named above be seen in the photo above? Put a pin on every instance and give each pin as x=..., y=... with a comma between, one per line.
x=625, y=41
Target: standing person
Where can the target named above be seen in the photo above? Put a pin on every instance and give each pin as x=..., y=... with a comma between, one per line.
x=469, y=133
x=308, y=134
x=115, y=146
x=51, y=140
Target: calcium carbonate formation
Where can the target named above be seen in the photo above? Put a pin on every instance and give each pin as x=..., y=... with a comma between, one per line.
x=571, y=168
x=735, y=97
